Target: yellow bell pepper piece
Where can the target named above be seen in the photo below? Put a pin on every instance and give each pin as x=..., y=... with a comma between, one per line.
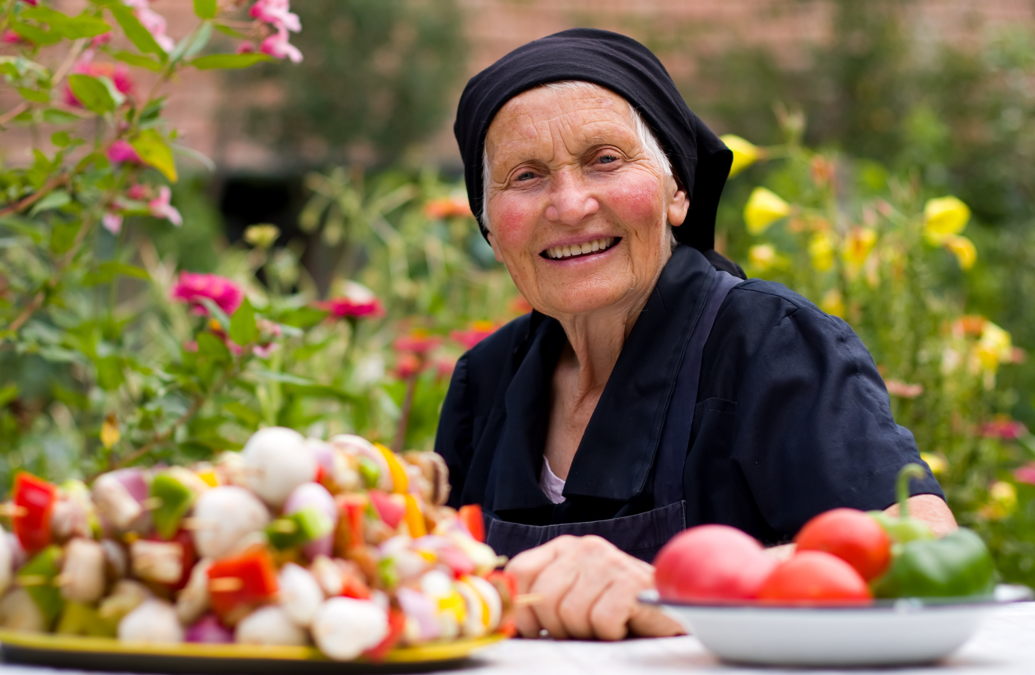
x=400, y=481
x=415, y=518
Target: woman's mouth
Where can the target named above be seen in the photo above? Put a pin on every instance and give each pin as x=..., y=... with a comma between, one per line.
x=580, y=250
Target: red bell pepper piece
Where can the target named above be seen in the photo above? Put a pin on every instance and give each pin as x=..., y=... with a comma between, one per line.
x=390, y=510
x=354, y=587
x=352, y=512
x=34, y=500
x=396, y=625
x=241, y=581
x=471, y=516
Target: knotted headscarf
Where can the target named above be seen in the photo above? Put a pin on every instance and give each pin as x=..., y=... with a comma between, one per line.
x=616, y=62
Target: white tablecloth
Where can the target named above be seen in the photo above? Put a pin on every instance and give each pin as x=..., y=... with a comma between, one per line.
x=1005, y=644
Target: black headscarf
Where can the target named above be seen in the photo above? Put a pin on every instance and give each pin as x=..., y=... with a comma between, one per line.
x=616, y=62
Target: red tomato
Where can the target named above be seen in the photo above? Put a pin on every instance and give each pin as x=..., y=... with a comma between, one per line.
x=851, y=535
x=471, y=516
x=711, y=562
x=34, y=499
x=817, y=577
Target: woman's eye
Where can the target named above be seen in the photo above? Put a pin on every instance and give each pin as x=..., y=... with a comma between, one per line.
x=607, y=159
x=525, y=175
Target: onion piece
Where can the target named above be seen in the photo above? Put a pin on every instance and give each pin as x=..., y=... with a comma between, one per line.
x=344, y=628
x=208, y=630
x=269, y=626
x=154, y=621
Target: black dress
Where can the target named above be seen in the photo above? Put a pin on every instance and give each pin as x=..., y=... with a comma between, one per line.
x=791, y=416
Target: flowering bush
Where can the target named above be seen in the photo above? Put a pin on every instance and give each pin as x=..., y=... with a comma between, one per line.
x=876, y=251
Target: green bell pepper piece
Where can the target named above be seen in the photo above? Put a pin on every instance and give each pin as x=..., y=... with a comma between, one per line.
x=369, y=472
x=299, y=528
x=958, y=564
x=174, y=500
x=904, y=529
x=38, y=577
x=80, y=619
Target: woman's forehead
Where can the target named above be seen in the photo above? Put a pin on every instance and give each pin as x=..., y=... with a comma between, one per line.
x=586, y=112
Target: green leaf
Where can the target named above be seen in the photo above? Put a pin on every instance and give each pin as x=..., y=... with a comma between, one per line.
x=107, y=271
x=34, y=95
x=286, y=378
x=60, y=139
x=71, y=27
x=229, y=61
x=216, y=311
x=135, y=31
x=211, y=346
x=200, y=41
x=138, y=60
x=59, y=117
x=246, y=415
x=227, y=30
x=92, y=93
x=206, y=9
x=34, y=34
x=8, y=394
x=304, y=317
x=243, y=329
x=109, y=373
x=153, y=150
x=55, y=200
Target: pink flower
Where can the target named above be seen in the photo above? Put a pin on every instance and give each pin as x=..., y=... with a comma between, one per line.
x=275, y=13
x=220, y=290
x=416, y=342
x=100, y=40
x=30, y=2
x=137, y=192
x=902, y=389
x=408, y=365
x=160, y=207
x=9, y=37
x=1003, y=428
x=152, y=21
x=357, y=302
x=245, y=48
x=444, y=366
x=1025, y=474
x=118, y=73
x=277, y=46
x=122, y=151
x=478, y=331
x=112, y=222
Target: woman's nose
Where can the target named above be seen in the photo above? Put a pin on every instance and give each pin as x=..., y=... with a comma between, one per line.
x=570, y=200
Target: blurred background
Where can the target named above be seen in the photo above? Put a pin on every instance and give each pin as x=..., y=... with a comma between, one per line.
x=864, y=110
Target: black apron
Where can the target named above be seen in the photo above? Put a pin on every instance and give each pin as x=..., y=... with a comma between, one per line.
x=639, y=535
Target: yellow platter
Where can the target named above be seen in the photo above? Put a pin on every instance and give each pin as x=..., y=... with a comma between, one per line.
x=45, y=649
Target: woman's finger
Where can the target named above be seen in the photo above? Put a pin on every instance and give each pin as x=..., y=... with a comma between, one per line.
x=526, y=567
x=596, y=571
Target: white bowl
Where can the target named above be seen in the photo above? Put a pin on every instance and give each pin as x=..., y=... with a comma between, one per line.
x=888, y=632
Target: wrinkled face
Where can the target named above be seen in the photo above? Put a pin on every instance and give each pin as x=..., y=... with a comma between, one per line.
x=577, y=210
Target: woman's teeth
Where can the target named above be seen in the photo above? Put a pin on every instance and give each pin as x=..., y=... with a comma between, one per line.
x=575, y=250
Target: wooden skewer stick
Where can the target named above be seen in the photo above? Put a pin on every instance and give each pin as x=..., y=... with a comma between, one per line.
x=13, y=510
x=152, y=503
x=199, y=524
x=225, y=584
x=33, y=580
x=527, y=599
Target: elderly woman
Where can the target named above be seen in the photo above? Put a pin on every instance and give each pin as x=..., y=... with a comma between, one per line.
x=651, y=389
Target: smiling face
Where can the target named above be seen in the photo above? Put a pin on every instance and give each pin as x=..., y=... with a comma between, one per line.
x=577, y=209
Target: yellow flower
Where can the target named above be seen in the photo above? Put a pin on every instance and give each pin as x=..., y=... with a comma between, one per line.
x=762, y=209
x=858, y=245
x=994, y=347
x=936, y=462
x=1002, y=500
x=963, y=249
x=110, y=431
x=943, y=217
x=261, y=236
x=833, y=304
x=744, y=153
x=763, y=257
x=821, y=250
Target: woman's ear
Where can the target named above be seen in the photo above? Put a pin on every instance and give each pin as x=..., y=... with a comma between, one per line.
x=495, y=249
x=678, y=202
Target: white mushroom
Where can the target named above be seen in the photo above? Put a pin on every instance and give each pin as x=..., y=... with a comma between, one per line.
x=193, y=600
x=82, y=574
x=359, y=447
x=116, y=565
x=6, y=561
x=160, y=561
x=300, y=594
x=328, y=575
x=276, y=461
x=115, y=503
x=344, y=628
x=18, y=612
x=225, y=515
x=153, y=621
x=269, y=626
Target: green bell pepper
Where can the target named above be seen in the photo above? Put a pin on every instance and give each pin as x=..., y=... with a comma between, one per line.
x=904, y=529
x=39, y=578
x=173, y=499
x=958, y=564
x=80, y=619
x=299, y=528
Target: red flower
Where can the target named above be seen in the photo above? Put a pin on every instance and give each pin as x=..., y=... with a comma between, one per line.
x=520, y=306
x=478, y=331
x=444, y=366
x=358, y=301
x=121, y=151
x=117, y=73
x=1003, y=428
x=220, y=290
x=418, y=342
x=447, y=207
x=408, y=365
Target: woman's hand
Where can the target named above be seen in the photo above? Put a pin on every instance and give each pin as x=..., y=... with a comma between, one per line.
x=589, y=589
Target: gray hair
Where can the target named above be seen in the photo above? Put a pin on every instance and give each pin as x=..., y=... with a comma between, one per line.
x=647, y=139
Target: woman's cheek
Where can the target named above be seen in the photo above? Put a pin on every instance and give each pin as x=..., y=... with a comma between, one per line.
x=637, y=202
x=512, y=225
